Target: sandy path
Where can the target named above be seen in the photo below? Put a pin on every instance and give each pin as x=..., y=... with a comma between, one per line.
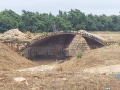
x=104, y=69
x=39, y=68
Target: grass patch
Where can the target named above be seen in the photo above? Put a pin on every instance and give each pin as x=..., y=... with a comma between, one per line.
x=79, y=55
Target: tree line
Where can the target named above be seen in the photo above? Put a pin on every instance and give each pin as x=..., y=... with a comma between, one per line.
x=43, y=22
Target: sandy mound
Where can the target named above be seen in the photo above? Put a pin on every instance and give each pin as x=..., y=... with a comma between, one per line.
x=10, y=60
x=105, y=56
x=13, y=34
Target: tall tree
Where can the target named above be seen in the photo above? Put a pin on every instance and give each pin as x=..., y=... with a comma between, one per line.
x=9, y=20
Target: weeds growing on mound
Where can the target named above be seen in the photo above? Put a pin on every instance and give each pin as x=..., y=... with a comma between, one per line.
x=79, y=55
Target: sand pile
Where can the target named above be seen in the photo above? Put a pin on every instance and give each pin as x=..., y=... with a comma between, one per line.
x=13, y=34
x=10, y=60
x=105, y=56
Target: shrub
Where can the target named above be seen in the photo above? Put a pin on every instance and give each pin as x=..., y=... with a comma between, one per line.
x=79, y=55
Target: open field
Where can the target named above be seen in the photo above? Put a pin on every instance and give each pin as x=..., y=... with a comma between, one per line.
x=97, y=69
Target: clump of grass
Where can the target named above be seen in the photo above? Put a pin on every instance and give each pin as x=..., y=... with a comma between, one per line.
x=79, y=55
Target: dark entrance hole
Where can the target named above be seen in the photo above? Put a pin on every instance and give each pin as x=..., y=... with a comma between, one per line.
x=50, y=48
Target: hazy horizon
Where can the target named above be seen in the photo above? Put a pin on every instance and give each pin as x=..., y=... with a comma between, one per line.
x=99, y=7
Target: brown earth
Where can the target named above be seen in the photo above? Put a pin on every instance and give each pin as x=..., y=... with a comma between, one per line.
x=10, y=60
x=109, y=36
x=68, y=75
x=105, y=56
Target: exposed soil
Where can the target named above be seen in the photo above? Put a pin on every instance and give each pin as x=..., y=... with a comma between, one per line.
x=97, y=69
x=109, y=36
x=111, y=69
x=10, y=60
x=105, y=56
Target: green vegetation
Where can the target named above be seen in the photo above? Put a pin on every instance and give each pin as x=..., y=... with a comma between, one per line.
x=79, y=54
x=72, y=20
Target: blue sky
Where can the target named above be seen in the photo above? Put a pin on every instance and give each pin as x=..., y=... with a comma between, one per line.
x=108, y=7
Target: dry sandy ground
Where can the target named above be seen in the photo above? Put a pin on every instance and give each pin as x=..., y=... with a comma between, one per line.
x=10, y=60
x=109, y=36
x=105, y=56
x=96, y=70
x=39, y=68
x=48, y=79
x=111, y=69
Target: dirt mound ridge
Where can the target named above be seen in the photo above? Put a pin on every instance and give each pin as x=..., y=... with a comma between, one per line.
x=10, y=60
x=13, y=34
x=105, y=56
